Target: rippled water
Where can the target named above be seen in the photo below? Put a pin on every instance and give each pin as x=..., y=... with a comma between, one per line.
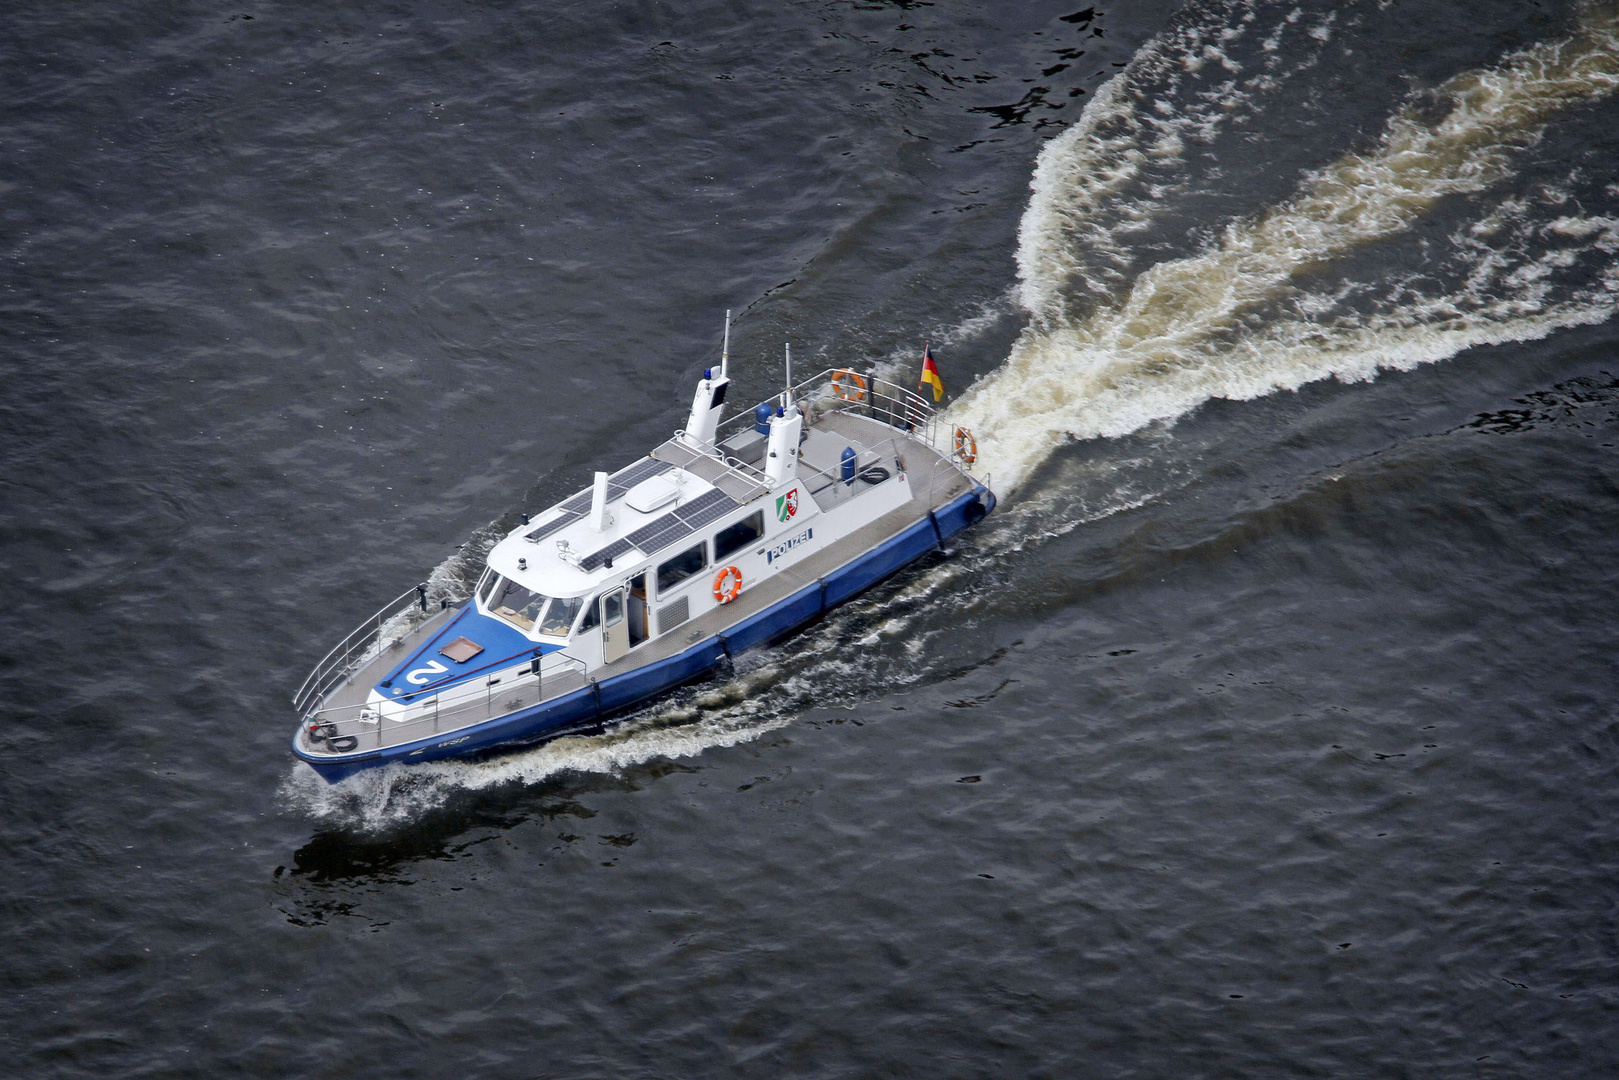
x=1266, y=731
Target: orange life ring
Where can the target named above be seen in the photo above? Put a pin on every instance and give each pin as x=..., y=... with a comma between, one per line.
x=855, y=391
x=727, y=584
x=966, y=446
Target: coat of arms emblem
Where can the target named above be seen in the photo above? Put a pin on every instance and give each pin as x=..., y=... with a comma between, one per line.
x=787, y=505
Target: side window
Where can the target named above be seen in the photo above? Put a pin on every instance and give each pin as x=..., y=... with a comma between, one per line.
x=734, y=538
x=681, y=567
x=592, y=617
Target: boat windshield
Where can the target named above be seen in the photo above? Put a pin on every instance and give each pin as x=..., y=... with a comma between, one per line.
x=515, y=604
x=559, y=616
x=526, y=609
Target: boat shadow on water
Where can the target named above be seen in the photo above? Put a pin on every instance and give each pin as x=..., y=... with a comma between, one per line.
x=338, y=868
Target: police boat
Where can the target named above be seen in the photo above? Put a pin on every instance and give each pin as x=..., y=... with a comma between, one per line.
x=731, y=535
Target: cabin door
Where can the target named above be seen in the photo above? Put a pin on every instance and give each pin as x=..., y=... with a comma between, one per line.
x=615, y=629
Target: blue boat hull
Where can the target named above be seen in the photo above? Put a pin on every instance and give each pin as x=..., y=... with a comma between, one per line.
x=594, y=704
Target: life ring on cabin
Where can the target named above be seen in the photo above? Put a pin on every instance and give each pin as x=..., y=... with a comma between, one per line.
x=727, y=584
x=966, y=446
x=855, y=391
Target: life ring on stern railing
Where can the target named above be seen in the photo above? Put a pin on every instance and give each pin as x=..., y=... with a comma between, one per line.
x=966, y=446
x=727, y=584
x=855, y=391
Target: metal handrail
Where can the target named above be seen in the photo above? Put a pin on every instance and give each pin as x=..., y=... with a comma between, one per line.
x=865, y=458
x=712, y=451
x=367, y=725
x=356, y=648
x=905, y=410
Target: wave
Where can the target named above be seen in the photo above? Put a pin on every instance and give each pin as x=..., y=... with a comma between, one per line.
x=1259, y=308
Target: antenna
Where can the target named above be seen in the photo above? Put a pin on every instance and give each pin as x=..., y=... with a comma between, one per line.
x=786, y=393
x=725, y=349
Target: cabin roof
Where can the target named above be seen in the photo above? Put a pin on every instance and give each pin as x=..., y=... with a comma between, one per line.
x=564, y=556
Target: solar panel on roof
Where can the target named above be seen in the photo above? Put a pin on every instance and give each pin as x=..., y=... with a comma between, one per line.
x=709, y=507
x=644, y=535
x=709, y=516
x=617, y=485
x=597, y=559
x=713, y=512
x=567, y=518
x=672, y=535
x=621, y=482
x=708, y=499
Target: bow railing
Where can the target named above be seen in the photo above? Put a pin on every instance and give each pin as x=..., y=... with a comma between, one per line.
x=396, y=619
x=354, y=728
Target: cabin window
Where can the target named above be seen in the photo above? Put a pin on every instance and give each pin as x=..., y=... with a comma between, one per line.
x=681, y=567
x=734, y=538
x=488, y=583
x=515, y=604
x=613, y=607
x=592, y=617
x=559, y=616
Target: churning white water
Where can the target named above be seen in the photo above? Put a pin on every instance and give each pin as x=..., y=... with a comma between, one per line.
x=1237, y=319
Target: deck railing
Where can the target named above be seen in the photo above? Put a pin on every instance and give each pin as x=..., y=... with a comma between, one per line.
x=396, y=619
x=502, y=694
x=848, y=391
x=872, y=466
x=685, y=451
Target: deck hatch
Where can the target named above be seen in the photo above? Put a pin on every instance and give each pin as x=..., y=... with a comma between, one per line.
x=461, y=650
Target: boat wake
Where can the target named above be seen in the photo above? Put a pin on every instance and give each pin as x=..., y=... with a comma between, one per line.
x=1432, y=239
x=1293, y=293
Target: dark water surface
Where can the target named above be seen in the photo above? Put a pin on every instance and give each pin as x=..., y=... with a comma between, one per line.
x=1273, y=735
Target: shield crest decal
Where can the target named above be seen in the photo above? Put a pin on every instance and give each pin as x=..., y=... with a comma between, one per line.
x=787, y=505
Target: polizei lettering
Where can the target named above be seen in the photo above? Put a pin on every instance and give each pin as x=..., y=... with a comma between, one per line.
x=787, y=545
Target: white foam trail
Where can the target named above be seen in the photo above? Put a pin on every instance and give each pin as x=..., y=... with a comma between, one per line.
x=380, y=798
x=1088, y=199
x=1231, y=321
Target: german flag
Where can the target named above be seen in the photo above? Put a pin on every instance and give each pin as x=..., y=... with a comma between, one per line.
x=930, y=375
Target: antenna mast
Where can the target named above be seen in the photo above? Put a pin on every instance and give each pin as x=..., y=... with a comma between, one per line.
x=786, y=393
x=725, y=349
